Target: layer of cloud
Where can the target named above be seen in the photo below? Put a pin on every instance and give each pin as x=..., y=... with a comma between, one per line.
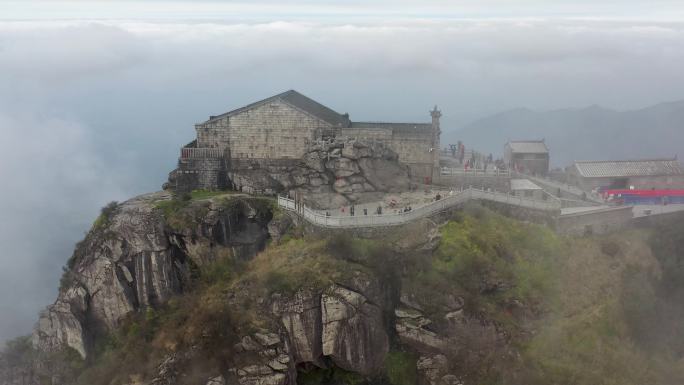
x=336, y=10
x=52, y=183
x=95, y=110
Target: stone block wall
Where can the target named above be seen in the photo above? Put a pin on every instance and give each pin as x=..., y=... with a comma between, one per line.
x=411, y=145
x=383, y=135
x=274, y=130
x=595, y=222
x=200, y=173
x=660, y=219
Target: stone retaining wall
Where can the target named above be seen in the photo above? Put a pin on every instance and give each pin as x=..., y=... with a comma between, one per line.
x=595, y=222
x=412, y=146
x=199, y=173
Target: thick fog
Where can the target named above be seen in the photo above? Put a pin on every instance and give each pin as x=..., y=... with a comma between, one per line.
x=94, y=109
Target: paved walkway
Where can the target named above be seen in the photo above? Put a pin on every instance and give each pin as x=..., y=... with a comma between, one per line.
x=569, y=189
x=457, y=198
x=451, y=199
x=392, y=203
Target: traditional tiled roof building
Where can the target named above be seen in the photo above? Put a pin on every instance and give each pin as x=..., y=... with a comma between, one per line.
x=623, y=174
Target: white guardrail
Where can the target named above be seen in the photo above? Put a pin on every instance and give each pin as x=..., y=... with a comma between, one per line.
x=393, y=219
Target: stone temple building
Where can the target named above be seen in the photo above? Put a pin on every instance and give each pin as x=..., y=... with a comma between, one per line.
x=255, y=147
x=528, y=156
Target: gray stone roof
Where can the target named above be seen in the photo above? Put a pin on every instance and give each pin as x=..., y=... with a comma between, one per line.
x=627, y=168
x=529, y=147
x=299, y=101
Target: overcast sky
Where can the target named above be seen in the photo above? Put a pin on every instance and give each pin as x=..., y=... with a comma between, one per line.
x=96, y=98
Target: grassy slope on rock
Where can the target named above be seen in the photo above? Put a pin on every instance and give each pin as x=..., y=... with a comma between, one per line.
x=210, y=316
x=603, y=313
x=606, y=287
x=605, y=310
x=489, y=260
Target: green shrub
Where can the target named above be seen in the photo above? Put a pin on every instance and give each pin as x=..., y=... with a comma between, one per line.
x=279, y=282
x=18, y=351
x=78, y=250
x=67, y=279
x=368, y=251
x=206, y=194
x=182, y=214
x=495, y=264
x=329, y=376
x=171, y=206
x=222, y=270
x=105, y=215
x=400, y=368
x=610, y=247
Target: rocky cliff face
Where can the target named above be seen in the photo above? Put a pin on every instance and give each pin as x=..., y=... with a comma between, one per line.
x=342, y=325
x=302, y=306
x=190, y=294
x=333, y=174
x=149, y=249
x=338, y=325
x=348, y=325
x=138, y=257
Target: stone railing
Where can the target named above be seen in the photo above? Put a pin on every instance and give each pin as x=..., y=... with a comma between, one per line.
x=452, y=171
x=392, y=219
x=201, y=153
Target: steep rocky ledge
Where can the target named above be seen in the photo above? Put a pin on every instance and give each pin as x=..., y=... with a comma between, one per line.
x=331, y=327
x=222, y=288
x=141, y=254
x=332, y=174
x=301, y=306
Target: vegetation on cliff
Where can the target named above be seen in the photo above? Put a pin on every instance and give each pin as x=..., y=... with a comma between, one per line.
x=536, y=308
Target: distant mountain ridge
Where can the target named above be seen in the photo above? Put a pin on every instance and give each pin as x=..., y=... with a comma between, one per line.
x=588, y=133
